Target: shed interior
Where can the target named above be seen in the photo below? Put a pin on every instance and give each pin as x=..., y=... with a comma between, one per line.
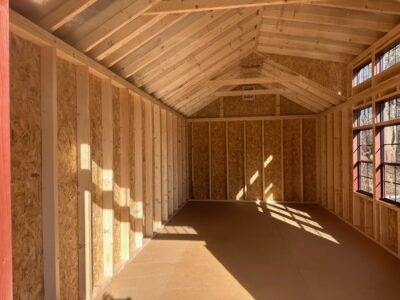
x=178, y=149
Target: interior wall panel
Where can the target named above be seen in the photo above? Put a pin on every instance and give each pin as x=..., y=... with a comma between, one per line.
x=272, y=161
x=236, y=160
x=254, y=160
x=309, y=160
x=201, y=158
x=218, y=161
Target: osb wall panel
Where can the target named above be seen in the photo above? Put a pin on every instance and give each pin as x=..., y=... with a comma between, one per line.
x=132, y=173
x=289, y=108
x=309, y=160
x=67, y=176
x=236, y=160
x=209, y=111
x=218, y=161
x=332, y=75
x=253, y=160
x=96, y=154
x=117, y=175
x=26, y=177
x=200, y=150
x=190, y=153
x=263, y=105
x=272, y=160
x=291, y=160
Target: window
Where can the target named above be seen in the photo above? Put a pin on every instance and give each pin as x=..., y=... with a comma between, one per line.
x=362, y=74
x=365, y=168
x=390, y=110
x=364, y=153
x=389, y=58
x=363, y=117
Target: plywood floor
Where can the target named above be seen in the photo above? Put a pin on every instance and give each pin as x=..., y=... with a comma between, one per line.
x=249, y=251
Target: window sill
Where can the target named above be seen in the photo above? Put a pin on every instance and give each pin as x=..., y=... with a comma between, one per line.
x=365, y=196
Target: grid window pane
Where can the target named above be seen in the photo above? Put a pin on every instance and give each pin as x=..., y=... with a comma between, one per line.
x=366, y=184
x=362, y=74
x=389, y=58
x=390, y=110
x=390, y=191
x=363, y=117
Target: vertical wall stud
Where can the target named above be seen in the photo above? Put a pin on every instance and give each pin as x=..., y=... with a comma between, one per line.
x=262, y=161
x=157, y=168
x=84, y=183
x=125, y=192
x=179, y=161
x=170, y=166
x=5, y=158
x=244, y=160
x=175, y=160
x=282, y=165
x=301, y=162
x=227, y=159
x=138, y=133
x=209, y=162
x=164, y=166
x=148, y=155
x=107, y=184
x=50, y=173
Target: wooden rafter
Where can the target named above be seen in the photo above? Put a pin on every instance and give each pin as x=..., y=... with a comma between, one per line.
x=179, y=6
x=251, y=92
x=242, y=81
x=64, y=13
x=113, y=24
x=232, y=23
x=332, y=16
x=375, y=6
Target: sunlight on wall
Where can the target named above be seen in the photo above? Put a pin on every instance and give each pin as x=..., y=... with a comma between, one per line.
x=254, y=177
x=85, y=157
x=268, y=161
x=240, y=194
x=268, y=188
x=107, y=180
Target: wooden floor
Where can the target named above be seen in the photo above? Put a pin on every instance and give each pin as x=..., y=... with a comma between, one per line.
x=257, y=251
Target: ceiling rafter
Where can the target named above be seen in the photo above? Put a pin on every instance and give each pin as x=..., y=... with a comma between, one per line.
x=113, y=24
x=196, y=61
x=64, y=13
x=234, y=22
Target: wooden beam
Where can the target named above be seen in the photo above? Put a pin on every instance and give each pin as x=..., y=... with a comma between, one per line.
x=108, y=177
x=381, y=6
x=313, y=44
x=256, y=118
x=149, y=164
x=115, y=23
x=138, y=135
x=125, y=42
x=51, y=256
x=232, y=23
x=244, y=81
x=24, y=28
x=301, y=52
x=157, y=168
x=327, y=32
x=179, y=6
x=84, y=184
x=6, y=285
x=125, y=191
x=332, y=16
x=251, y=92
x=64, y=13
x=175, y=161
x=170, y=166
x=164, y=166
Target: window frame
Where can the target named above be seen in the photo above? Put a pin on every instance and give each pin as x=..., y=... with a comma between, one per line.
x=379, y=58
x=360, y=162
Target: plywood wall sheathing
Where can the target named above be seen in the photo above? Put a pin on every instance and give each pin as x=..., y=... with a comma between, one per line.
x=272, y=160
x=170, y=142
x=254, y=160
x=67, y=170
x=200, y=165
x=218, y=161
x=26, y=168
x=236, y=160
x=291, y=160
x=309, y=160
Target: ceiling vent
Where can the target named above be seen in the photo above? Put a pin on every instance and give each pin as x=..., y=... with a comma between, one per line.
x=248, y=88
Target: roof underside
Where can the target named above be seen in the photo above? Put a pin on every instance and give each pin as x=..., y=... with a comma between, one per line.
x=186, y=53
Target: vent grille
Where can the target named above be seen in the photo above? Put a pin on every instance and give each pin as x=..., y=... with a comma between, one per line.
x=248, y=88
